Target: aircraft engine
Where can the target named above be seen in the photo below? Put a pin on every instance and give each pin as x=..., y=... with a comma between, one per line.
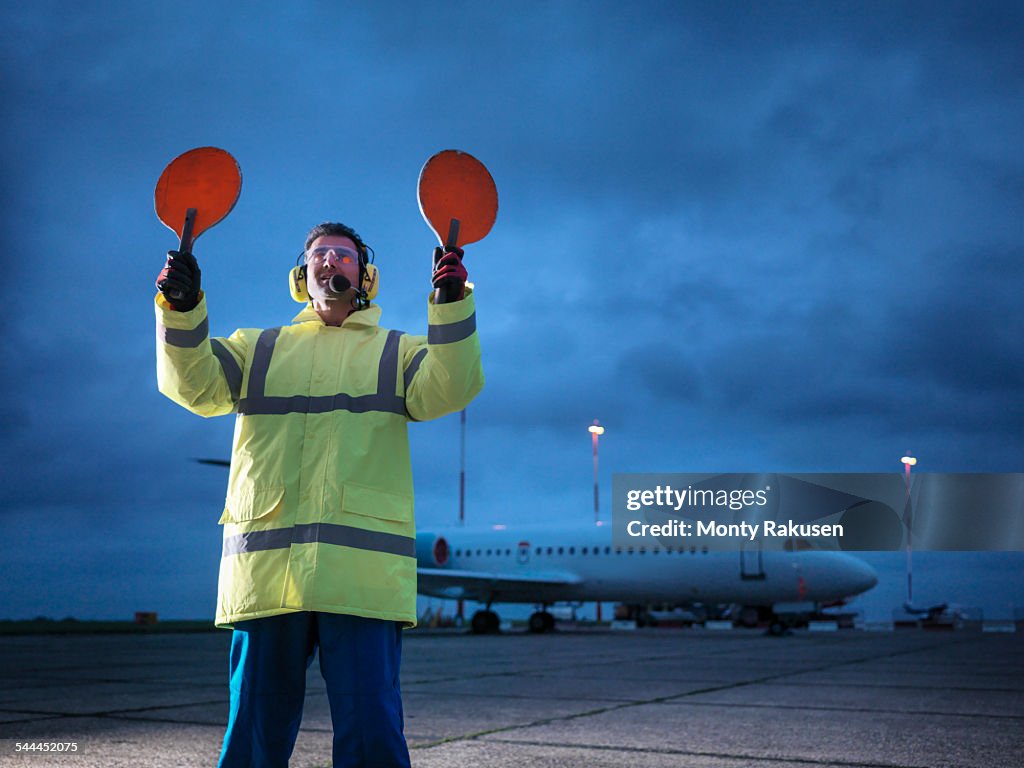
x=432, y=550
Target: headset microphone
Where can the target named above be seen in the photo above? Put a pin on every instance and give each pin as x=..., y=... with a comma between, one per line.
x=340, y=284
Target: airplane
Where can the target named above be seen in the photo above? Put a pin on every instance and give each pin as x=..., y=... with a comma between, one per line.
x=553, y=564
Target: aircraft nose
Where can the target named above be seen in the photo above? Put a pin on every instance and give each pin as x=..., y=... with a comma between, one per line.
x=862, y=576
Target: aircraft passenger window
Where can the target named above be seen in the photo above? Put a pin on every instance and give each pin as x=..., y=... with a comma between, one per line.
x=654, y=551
x=539, y=550
x=478, y=552
x=618, y=550
x=488, y=553
x=583, y=551
x=693, y=549
x=643, y=550
x=508, y=552
x=607, y=550
x=549, y=550
x=561, y=550
x=458, y=552
x=704, y=549
x=572, y=550
x=629, y=551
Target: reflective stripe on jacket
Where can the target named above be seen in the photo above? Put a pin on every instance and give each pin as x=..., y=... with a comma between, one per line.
x=319, y=509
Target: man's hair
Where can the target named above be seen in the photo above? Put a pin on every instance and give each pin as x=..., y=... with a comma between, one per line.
x=337, y=229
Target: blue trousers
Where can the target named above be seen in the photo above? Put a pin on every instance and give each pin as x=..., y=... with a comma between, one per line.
x=359, y=661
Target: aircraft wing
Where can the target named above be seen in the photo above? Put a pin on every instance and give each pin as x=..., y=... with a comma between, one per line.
x=502, y=587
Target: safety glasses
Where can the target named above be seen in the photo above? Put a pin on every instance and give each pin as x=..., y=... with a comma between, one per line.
x=341, y=253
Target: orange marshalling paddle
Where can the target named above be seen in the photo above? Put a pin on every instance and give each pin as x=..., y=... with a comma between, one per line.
x=196, y=191
x=458, y=199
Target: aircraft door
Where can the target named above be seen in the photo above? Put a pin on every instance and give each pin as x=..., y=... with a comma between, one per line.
x=752, y=561
x=523, y=554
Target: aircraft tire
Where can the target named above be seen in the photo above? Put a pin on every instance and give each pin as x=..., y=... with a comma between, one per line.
x=541, y=621
x=537, y=622
x=777, y=627
x=485, y=623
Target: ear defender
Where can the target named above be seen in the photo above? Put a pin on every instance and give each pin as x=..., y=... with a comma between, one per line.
x=297, y=284
x=371, y=281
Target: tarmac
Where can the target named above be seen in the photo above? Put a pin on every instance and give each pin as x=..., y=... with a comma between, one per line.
x=648, y=698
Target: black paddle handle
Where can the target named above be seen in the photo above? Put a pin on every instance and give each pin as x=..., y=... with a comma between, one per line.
x=186, y=241
x=447, y=293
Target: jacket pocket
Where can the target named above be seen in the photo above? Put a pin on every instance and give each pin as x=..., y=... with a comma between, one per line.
x=371, y=502
x=252, y=504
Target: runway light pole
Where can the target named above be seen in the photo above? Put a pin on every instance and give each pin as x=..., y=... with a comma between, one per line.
x=462, y=461
x=908, y=520
x=596, y=430
x=462, y=467
x=462, y=494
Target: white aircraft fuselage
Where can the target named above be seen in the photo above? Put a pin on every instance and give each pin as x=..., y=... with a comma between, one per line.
x=567, y=564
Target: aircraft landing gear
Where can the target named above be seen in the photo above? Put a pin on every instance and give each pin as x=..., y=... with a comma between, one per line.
x=541, y=621
x=485, y=623
x=779, y=626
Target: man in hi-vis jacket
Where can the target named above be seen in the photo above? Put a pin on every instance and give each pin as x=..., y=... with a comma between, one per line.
x=319, y=534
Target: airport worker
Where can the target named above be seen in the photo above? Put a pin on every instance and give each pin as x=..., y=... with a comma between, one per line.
x=319, y=535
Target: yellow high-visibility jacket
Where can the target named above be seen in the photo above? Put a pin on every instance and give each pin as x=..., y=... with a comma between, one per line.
x=319, y=509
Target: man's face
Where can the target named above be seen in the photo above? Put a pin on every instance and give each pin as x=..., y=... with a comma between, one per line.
x=327, y=256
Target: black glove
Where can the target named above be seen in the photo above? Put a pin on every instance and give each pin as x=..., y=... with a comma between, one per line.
x=449, y=275
x=179, y=280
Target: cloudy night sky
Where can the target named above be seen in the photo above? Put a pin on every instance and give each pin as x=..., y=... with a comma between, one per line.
x=746, y=237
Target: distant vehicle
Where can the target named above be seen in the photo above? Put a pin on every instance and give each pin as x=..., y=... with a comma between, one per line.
x=549, y=565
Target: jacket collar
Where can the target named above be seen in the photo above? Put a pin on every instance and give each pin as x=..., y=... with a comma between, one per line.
x=363, y=318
